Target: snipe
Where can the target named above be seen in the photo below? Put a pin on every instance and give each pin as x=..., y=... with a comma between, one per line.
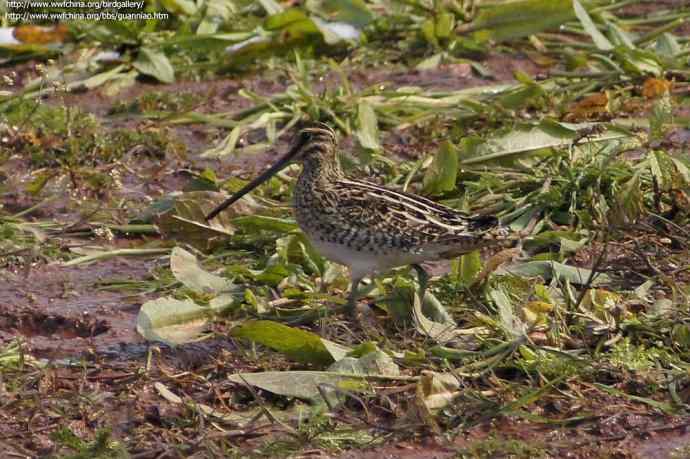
x=368, y=227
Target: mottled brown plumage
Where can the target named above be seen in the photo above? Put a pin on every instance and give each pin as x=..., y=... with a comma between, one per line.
x=365, y=226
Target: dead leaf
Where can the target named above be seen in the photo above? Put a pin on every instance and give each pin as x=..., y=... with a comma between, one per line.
x=591, y=107
x=656, y=87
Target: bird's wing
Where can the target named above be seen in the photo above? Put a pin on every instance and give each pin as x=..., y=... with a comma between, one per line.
x=411, y=219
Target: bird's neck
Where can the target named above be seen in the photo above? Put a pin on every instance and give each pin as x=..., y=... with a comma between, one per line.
x=321, y=166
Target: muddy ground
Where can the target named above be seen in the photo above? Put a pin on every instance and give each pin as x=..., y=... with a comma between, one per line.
x=100, y=372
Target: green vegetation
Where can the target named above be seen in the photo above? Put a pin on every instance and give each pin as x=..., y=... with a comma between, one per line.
x=566, y=119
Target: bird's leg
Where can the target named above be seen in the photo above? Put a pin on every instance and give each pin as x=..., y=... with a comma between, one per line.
x=351, y=307
x=423, y=278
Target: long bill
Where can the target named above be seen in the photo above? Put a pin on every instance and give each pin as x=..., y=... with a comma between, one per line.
x=270, y=172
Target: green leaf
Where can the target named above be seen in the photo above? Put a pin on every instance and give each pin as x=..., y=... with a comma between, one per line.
x=218, y=12
x=185, y=268
x=445, y=22
x=517, y=19
x=155, y=64
x=260, y=222
x=299, y=345
x=372, y=363
x=353, y=12
x=511, y=323
x=667, y=45
x=172, y=321
x=186, y=222
x=99, y=79
x=522, y=140
x=300, y=384
x=284, y=18
x=552, y=269
x=39, y=182
x=429, y=31
x=368, y=130
x=442, y=173
x=639, y=62
x=620, y=36
x=600, y=41
x=521, y=96
x=466, y=268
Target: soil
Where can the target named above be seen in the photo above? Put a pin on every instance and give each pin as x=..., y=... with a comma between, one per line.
x=66, y=313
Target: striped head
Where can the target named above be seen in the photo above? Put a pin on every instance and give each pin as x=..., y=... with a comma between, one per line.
x=313, y=138
x=313, y=146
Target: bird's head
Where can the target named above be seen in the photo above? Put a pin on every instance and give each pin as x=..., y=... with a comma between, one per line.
x=312, y=138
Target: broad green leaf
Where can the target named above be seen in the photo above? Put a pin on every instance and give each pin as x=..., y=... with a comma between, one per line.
x=155, y=64
x=99, y=79
x=667, y=45
x=285, y=18
x=185, y=268
x=372, y=363
x=521, y=96
x=368, y=129
x=510, y=322
x=445, y=22
x=429, y=31
x=39, y=181
x=353, y=12
x=600, y=41
x=619, y=36
x=503, y=21
x=186, y=221
x=172, y=321
x=467, y=267
x=639, y=62
x=300, y=384
x=521, y=140
x=441, y=332
x=235, y=418
x=260, y=222
x=551, y=269
x=297, y=344
x=442, y=173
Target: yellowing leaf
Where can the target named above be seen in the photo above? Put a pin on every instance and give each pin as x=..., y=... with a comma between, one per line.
x=536, y=312
x=656, y=87
x=591, y=107
x=443, y=171
x=186, y=269
x=368, y=131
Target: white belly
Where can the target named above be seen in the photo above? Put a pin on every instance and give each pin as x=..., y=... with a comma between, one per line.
x=362, y=263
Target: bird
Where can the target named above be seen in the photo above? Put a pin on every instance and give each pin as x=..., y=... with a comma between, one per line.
x=369, y=228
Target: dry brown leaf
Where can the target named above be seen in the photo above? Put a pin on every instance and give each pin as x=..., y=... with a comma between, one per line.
x=656, y=87
x=37, y=35
x=591, y=107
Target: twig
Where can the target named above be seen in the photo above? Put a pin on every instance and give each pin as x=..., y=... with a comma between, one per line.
x=595, y=269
